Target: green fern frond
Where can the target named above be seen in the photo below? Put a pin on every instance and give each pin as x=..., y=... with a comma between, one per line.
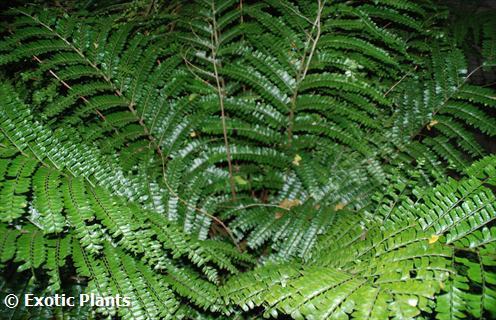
x=391, y=269
x=231, y=159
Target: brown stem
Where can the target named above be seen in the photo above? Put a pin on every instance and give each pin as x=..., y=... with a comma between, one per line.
x=241, y=19
x=399, y=81
x=220, y=92
x=305, y=65
x=67, y=86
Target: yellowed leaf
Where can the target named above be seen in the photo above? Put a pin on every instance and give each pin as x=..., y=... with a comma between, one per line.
x=278, y=215
x=288, y=204
x=339, y=206
x=432, y=124
x=239, y=180
x=192, y=134
x=442, y=285
x=296, y=160
x=192, y=97
x=433, y=238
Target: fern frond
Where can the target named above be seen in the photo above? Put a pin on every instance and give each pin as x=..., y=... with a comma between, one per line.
x=230, y=159
x=393, y=268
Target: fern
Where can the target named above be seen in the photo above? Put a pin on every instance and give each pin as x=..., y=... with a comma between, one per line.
x=98, y=218
x=232, y=159
x=394, y=268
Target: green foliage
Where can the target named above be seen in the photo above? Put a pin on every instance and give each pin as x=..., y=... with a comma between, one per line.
x=225, y=159
x=376, y=267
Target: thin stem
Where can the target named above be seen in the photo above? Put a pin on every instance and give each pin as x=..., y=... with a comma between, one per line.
x=241, y=19
x=305, y=65
x=251, y=205
x=399, y=81
x=67, y=86
x=220, y=92
x=447, y=99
